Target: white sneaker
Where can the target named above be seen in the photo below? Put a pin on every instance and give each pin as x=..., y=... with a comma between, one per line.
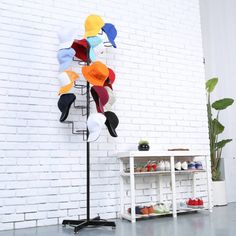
x=158, y=208
x=161, y=165
x=165, y=207
x=184, y=165
x=167, y=165
x=178, y=165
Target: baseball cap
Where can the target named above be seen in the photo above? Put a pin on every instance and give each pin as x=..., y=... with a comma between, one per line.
x=95, y=123
x=64, y=104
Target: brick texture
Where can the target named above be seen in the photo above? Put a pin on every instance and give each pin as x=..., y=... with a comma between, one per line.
x=160, y=96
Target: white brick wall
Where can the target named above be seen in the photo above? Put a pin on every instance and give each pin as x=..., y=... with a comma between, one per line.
x=160, y=96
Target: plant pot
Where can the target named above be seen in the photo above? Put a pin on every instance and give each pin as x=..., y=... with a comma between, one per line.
x=219, y=193
x=143, y=147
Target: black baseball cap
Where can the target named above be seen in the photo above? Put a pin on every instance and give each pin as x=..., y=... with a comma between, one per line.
x=64, y=104
x=112, y=122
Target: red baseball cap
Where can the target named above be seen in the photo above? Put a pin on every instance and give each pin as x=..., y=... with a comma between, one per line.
x=100, y=96
x=111, y=78
x=81, y=48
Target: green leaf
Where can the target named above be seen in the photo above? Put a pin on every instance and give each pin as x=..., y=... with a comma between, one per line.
x=217, y=127
x=222, y=103
x=210, y=84
x=222, y=143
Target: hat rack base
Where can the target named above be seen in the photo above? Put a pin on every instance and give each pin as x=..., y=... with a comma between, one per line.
x=95, y=222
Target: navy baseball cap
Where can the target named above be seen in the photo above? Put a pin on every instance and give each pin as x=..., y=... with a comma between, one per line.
x=64, y=103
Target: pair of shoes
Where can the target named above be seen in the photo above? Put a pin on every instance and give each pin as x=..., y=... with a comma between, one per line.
x=181, y=166
x=195, y=203
x=161, y=208
x=137, y=210
x=163, y=166
x=195, y=165
x=142, y=210
x=151, y=166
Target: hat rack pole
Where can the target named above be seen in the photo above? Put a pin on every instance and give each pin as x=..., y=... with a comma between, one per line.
x=88, y=146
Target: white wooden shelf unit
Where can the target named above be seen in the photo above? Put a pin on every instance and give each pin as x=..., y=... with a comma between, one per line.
x=130, y=158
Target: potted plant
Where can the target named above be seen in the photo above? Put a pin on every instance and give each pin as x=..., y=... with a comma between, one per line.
x=143, y=145
x=216, y=146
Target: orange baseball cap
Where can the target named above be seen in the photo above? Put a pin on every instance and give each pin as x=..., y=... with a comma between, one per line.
x=67, y=79
x=96, y=73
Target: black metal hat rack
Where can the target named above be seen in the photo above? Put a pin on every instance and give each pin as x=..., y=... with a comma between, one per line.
x=88, y=222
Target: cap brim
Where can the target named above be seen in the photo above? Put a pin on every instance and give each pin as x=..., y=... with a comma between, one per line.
x=111, y=130
x=93, y=136
x=66, y=88
x=92, y=55
x=65, y=114
x=65, y=65
x=92, y=32
x=89, y=78
x=112, y=41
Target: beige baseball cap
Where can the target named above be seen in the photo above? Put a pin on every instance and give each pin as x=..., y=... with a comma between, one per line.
x=111, y=100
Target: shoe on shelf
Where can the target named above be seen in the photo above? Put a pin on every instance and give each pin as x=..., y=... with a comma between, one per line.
x=158, y=209
x=195, y=203
x=150, y=210
x=165, y=207
x=137, y=210
x=191, y=165
x=167, y=165
x=144, y=210
x=198, y=165
x=181, y=205
x=151, y=166
x=161, y=166
x=200, y=203
x=178, y=166
x=192, y=203
x=184, y=165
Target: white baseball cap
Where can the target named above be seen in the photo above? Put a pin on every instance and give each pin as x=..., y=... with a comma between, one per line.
x=111, y=100
x=95, y=123
x=66, y=37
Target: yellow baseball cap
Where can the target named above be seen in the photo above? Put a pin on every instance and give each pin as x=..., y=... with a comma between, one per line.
x=93, y=25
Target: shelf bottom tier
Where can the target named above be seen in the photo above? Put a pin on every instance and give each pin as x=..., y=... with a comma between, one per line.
x=127, y=216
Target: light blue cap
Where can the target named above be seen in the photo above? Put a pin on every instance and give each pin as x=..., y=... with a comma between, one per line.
x=65, y=57
x=93, y=42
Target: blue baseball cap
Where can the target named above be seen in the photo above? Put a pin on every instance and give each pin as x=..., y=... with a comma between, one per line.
x=111, y=33
x=93, y=42
x=65, y=57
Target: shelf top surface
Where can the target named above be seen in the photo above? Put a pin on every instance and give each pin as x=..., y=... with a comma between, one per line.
x=161, y=154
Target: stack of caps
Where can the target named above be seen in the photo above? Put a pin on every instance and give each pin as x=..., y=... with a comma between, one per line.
x=96, y=73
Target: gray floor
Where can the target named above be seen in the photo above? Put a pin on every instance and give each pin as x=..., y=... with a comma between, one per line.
x=221, y=222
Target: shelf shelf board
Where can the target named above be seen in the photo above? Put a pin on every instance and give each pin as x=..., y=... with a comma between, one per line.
x=137, y=154
x=147, y=173
x=189, y=209
x=127, y=216
x=189, y=171
x=162, y=172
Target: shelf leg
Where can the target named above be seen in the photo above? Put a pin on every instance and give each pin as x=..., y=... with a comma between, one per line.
x=172, y=164
x=121, y=189
x=132, y=189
